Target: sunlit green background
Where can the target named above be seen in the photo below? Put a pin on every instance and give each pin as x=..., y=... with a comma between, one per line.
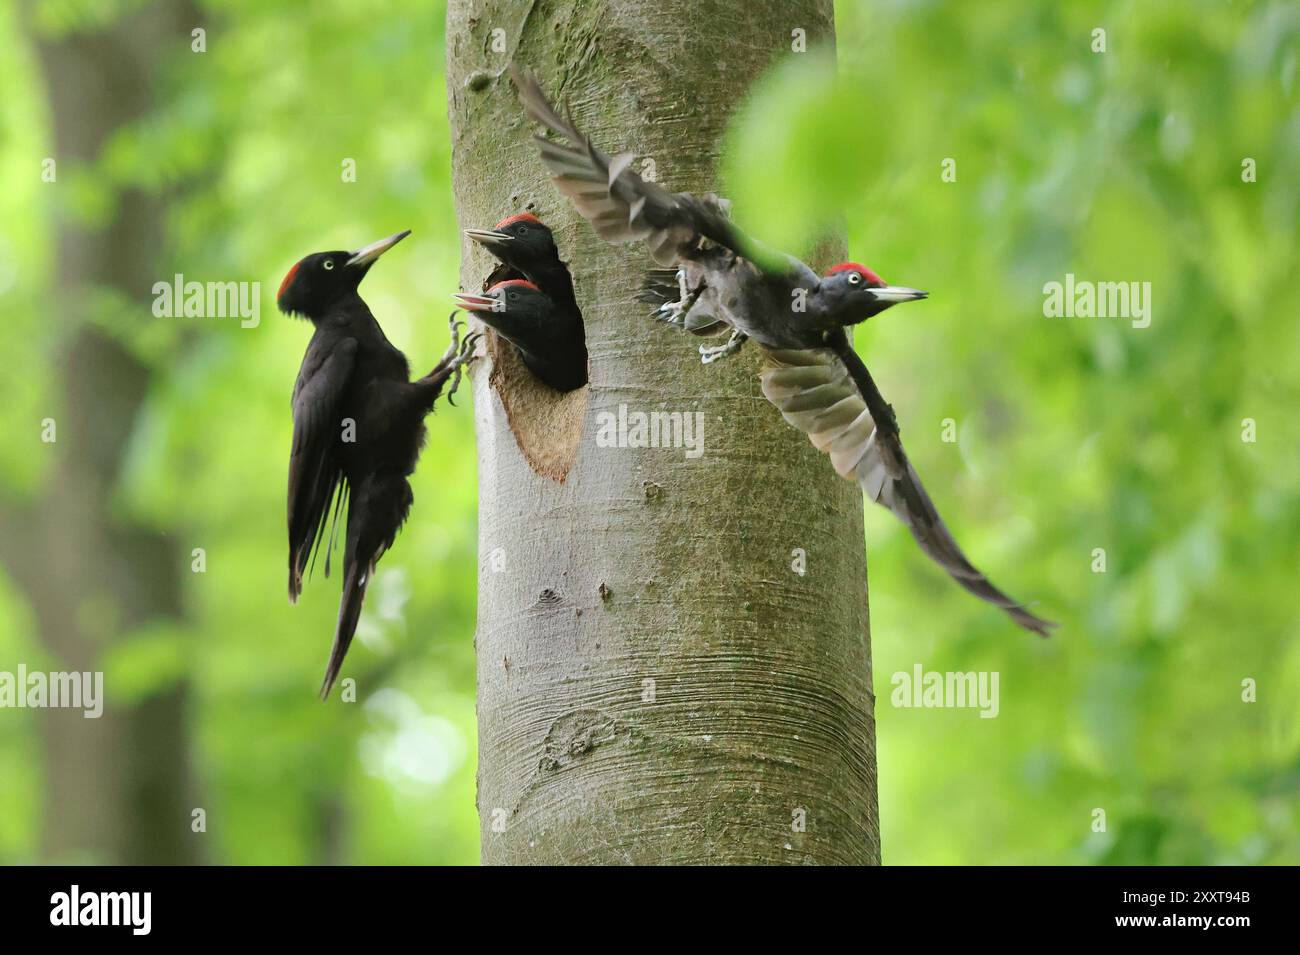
x=1072, y=434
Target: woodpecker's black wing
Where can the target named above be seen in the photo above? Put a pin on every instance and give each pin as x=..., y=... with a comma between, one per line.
x=619, y=204
x=822, y=394
x=314, y=474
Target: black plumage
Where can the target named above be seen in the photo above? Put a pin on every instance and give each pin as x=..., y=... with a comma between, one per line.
x=554, y=349
x=724, y=281
x=358, y=427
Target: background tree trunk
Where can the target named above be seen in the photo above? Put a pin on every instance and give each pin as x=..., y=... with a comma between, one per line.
x=117, y=789
x=656, y=683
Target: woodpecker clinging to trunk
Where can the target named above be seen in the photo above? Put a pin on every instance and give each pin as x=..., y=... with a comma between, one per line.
x=358, y=427
x=814, y=376
x=555, y=349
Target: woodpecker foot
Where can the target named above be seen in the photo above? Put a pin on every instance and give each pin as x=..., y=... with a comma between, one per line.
x=732, y=345
x=463, y=356
x=671, y=313
x=674, y=313
x=454, y=347
x=459, y=354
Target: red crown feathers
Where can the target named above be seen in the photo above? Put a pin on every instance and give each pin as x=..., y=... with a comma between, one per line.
x=518, y=217
x=288, y=279
x=871, y=277
x=523, y=283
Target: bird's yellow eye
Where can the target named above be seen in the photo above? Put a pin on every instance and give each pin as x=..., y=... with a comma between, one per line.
x=327, y=264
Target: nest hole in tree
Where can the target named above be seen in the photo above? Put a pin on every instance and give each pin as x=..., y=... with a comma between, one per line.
x=547, y=424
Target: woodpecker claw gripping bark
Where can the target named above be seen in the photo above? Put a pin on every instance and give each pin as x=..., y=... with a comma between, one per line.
x=813, y=375
x=459, y=355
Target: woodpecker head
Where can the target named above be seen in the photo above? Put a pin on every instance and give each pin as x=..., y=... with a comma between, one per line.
x=324, y=278
x=515, y=298
x=521, y=241
x=854, y=293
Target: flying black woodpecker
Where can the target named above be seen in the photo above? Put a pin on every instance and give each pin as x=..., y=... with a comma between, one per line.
x=815, y=377
x=358, y=427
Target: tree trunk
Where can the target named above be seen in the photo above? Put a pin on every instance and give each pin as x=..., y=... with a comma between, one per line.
x=657, y=682
x=117, y=789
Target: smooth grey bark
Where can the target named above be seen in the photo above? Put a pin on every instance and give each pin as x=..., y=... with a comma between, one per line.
x=118, y=789
x=656, y=683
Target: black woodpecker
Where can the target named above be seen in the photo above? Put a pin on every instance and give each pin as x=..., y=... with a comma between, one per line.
x=523, y=314
x=358, y=427
x=556, y=350
x=814, y=376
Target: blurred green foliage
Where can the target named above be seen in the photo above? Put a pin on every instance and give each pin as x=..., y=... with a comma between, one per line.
x=1072, y=433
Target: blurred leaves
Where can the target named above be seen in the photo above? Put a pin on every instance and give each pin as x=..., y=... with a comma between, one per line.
x=1074, y=434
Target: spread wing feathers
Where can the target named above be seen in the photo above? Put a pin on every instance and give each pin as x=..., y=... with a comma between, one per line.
x=619, y=204
x=315, y=479
x=815, y=392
